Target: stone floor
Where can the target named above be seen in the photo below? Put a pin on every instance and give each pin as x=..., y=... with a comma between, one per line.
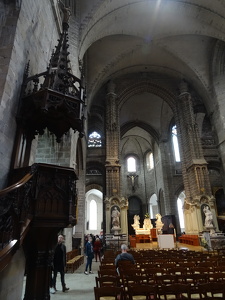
x=82, y=286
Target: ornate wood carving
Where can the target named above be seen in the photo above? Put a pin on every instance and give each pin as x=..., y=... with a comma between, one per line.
x=33, y=211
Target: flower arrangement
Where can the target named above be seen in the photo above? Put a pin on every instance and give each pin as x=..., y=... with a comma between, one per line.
x=147, y=216
x=204, y=243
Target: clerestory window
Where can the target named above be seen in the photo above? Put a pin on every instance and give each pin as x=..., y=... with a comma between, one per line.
x=150, y=161
x=175, y=144
x=131, y=164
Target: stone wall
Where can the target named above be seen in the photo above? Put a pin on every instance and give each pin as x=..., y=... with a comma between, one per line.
x=30, y=34
x=12, y=278
x=50, y=152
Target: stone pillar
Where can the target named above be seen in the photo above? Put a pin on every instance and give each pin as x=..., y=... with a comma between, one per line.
x=124, y=223
x=112, y=165
x=194, y=166
x=164, y=179
x=112, y=143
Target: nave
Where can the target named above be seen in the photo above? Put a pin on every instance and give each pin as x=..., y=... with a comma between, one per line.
x=82, y=286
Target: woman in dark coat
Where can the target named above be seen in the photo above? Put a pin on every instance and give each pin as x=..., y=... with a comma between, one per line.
x=89, y=254
x=97, y=249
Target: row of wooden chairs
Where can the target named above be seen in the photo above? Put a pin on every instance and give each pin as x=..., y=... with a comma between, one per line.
x=156, y=279
x=209, y=291
x=165, y=269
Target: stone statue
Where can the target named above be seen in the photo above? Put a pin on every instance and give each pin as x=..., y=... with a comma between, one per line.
x=136, y=224
x=208, y=217
x=159, y=224
x=147, y=224
x=115, y=218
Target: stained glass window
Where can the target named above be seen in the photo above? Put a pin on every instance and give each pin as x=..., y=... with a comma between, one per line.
x=95, y=140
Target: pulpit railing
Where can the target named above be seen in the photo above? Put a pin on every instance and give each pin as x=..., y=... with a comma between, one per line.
x=44, y=197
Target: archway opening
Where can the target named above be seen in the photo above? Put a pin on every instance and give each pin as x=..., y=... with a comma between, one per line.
x=94, y=212
x=135, y=208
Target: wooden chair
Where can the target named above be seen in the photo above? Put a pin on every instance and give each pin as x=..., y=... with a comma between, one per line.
x=194, y=280
x=187, y=265
x=130, y=279
x=217, y=277
x=207, y=264
x=212, y=290
x=107, y=267
x=107, y=281
x=108, y=261
x=175, y=291
x=177, y=270
x=113, y=292
x=125, y=263
x=154, y=271
x=132, y=269
x=142, y=292
x=109, y=254
x=220, y=269
x=165, y=279
x=108, y=272
x=201, y=270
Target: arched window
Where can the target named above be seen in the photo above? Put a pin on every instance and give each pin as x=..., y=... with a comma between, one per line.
x=150, y=161
x=180, y=203
x=131, y=164
x=175, y=144
x=94, y=140
x=93, y=215
x=153, y=206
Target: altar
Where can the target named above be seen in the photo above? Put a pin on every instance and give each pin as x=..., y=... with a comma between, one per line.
x=142, y=231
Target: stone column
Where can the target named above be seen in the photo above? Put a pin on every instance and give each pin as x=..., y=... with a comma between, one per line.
x=194, y=166
x=168, y=190
x=112, y=143
x=112, y=165
x=124, y=223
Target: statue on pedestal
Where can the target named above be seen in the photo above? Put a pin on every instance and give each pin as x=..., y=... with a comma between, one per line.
x=147, y=224
x=115, y=218
x=209, y=220
x=159, y=224
x=136, y=224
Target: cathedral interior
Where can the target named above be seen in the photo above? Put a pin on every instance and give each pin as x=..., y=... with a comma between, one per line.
x=107, y=105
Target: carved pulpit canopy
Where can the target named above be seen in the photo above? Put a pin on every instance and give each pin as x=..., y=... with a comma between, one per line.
x=53, y=99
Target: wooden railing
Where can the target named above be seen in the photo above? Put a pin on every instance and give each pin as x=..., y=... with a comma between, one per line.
x=14, y=216
x=45, y=198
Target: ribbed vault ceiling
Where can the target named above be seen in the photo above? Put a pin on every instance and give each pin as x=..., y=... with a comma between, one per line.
x=166, y=40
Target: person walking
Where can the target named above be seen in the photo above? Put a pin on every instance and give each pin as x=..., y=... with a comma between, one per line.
x=97, y=249
x=89, y=252
x=59, y=263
